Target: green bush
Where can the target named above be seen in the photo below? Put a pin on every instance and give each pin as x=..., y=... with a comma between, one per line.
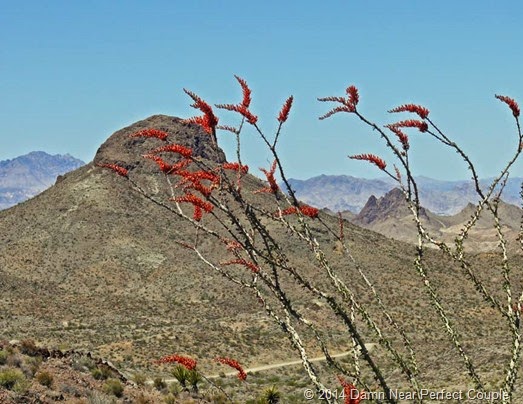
x=114, y=386
x=101, y=373
x=9, y=377
x=159, y=383
x=140, y=379
x=45, y=379
x=29, y=348
x=3, y=357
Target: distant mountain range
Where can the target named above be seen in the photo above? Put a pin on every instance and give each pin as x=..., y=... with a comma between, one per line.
x=23, y=177
x=343, y=192
x=390, y=216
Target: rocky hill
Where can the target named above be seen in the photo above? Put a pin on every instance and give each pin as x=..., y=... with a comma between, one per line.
x=23, y=177
x=92, y=264
x=390, y=216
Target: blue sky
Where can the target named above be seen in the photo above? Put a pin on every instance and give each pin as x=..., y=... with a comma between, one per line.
x=72, y=73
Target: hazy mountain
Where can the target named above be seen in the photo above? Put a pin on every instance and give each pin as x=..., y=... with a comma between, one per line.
x=343, y=192
x=23, y=177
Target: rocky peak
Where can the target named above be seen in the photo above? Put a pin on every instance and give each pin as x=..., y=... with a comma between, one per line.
x=127, y=151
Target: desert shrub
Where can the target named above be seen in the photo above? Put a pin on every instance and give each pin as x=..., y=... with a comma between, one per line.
x=170, y=399
x=159, y=383
x=140, y=379
x=28, y=347
x=97, y=397
x=3, y=357
x=101, y=373
x=9, y=377
x=45, y=379
x=83, y=364
x=113, y=386
x=31, y=365
x=271, y=395
x=181, y=374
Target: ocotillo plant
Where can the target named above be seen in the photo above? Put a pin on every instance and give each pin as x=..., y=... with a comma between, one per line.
x=223, y=210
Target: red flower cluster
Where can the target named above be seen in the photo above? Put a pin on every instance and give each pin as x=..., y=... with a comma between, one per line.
x=243, y=107
x=185, y=361
x=410, y=123
x=236, y=167
x=305, y=210
x=232, y=245
x=242, y=375
x=229, y=128
x=208, y=121
x=351, y=393
x=174, y=148
x=159, y=134
x=371, y=158
x=252, y=119
x=273, y=185
x=240, y=261
x=165, y=167
x=352, y=93
x=348, y=104
x=246, y=101
x=193, y=180
x=513, y=105
x=199, y=205
x=402, y=136
x=116, y=168
x=417, y=109
x=284, y=112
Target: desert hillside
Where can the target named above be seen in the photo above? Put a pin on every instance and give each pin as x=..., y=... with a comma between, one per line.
x=91, y=264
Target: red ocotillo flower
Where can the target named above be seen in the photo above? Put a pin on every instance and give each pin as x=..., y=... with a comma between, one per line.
x=236, y=167
x=371, y=158
x=305, y=210
x=232, y=245
x=196, y=201
x=243, y=107
x=348, y=104
x=417, y=109
x=402, y=136
x=242, y=375
x=252, y=119
x=197, y=214
x=159, y=134
x=232, y=129
x=185, y=361
x=116, y=168
x=513, y=105
x=284, y=112
x=208, y=121
x=246, y=91
x=168, y=168
x=353, y=95
x=410, y=123
x=273, y=185
x=174, y=148
x=351, y=393
x=240, y=261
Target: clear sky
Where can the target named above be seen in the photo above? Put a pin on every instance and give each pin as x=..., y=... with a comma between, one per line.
x=73, y=72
